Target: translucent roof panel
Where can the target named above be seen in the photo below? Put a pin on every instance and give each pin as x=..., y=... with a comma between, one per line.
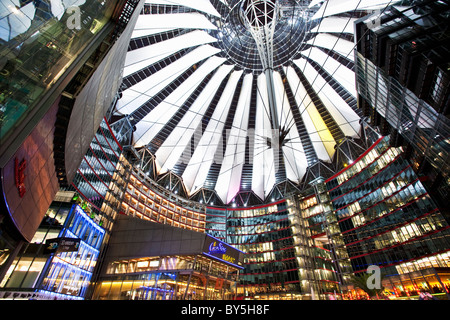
x=212, y=114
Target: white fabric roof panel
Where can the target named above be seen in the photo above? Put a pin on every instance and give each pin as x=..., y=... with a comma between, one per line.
x=139, y=93
x=333, y=7
x=149, y=32
x=200, y=5
x=140, y=58
x=196, y=171
x=209, y=39
x=171, y=150
x=152, y=123
x=339, y=72
x=175, y=20
x=320, y=136
x=334, y=43
x=228, y=182
x=344, y=116
x=294, y=156
x=335, y=25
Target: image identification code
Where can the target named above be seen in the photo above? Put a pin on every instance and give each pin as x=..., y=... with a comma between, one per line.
x=240, y=309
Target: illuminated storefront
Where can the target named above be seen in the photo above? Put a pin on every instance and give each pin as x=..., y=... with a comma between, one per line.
x=64, y=272
x=166, y=263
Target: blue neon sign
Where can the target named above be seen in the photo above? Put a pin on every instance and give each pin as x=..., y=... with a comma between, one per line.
x=217, y=247
x=222, y=251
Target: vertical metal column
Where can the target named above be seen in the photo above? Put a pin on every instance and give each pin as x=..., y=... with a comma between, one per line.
x=260, y=17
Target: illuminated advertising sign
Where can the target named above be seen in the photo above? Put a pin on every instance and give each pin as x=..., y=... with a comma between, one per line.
x=19, y=175
x=222, y=251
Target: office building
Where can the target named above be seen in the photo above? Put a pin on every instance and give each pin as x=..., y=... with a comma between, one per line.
x=403, y=81
x=163, y=262
x=310, y=137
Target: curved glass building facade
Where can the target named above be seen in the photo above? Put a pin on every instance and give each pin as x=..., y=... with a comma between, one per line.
x=264, y=233
x=385, y=215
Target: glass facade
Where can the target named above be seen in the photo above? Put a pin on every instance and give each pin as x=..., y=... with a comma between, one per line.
x=374, y=212
x=402, y=80
x=142, y=201
x=95, y=173
x=265, y=235
x=38, y=43
x=316, y=233
x=60, y=275
x=415, y=119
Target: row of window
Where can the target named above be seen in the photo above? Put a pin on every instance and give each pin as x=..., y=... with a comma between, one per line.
x=398, y=217
x=367, y=173
x=67, y=279
x=410, y=251
x=252, y=213
x=386, y=207
x=265, y=246
x=382, y=201
x=97, y=167
x=357, y=167
x=162, y=286
x=270, y=279
x=307, y=203
x=168, y=263
x=253, y=287
x=262, y=227
x=400, y=235
x=84, y=228
x=257, y=238
x=142, y=202
x=281, y=254
x=436, y=261
x=377, y=183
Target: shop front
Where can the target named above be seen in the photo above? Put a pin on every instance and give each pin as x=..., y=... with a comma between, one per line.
x=407, y=286
x=152, y=261
x=168, y=278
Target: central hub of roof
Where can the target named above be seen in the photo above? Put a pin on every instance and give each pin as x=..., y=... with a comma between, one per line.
x=258, y=13
x=289, y=22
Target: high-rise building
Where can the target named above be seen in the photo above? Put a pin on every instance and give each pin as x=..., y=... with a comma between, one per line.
x=380, y=206
x=403, y=84
x=309, y=138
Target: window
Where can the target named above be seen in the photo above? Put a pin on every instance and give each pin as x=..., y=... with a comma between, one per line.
x=436, y=87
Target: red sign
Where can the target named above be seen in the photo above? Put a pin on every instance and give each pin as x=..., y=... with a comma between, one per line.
x=19, y=175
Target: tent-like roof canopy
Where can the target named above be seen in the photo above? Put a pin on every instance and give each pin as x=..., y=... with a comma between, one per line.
x=195, y=90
